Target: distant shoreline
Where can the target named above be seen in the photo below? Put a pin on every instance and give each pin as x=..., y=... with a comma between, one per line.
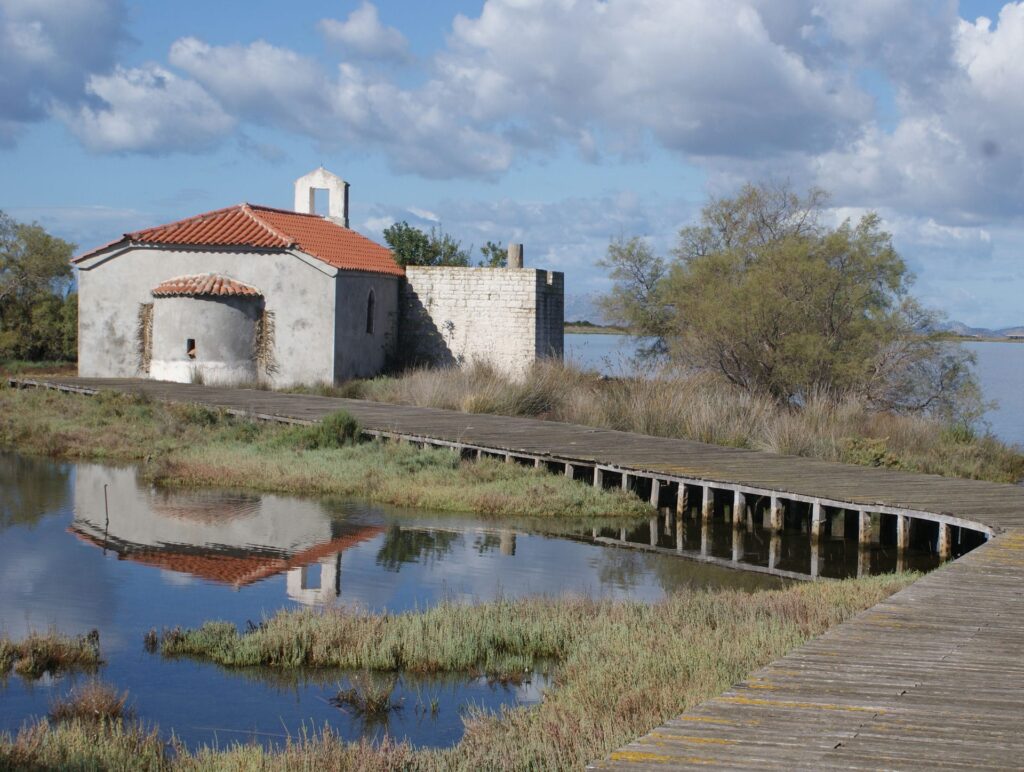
x=594, y=329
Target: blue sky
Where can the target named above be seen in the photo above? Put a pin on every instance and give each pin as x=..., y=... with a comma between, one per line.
x=558, y=123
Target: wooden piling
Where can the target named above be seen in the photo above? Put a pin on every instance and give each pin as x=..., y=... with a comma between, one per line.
x=902, y=533
x=776, y=514
x=817, y=514
x=863, y=528
x=737, y=545
x=682, y=501
x=945, y=541
x=537, y=463
x=707, y=503
x=774, y=547
x=569, y=471
x=598, y=477
x=625, y=482
x=655, y=492
x=739, y=508
x=653, y=539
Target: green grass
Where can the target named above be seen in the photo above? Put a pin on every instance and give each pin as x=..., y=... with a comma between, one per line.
x=49, y=653
x=620, y=668
x=190, y=445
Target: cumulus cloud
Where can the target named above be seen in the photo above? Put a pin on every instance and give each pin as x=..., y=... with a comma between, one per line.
x=48, y=49
x=362, y=35
x=148, y=110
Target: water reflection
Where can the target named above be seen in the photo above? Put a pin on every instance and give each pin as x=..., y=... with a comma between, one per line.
x=89, y=546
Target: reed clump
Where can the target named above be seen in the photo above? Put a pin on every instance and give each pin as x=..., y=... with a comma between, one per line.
x=93, y=701
x=53, y=653
x=193, y=445
x=619, y=669
x=706, y=408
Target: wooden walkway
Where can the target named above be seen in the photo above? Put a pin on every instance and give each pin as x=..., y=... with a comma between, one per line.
x=933, y=677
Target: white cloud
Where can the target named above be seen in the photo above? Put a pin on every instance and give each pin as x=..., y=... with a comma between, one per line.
x=362, y=35
x=48, y=48
x=148, y=110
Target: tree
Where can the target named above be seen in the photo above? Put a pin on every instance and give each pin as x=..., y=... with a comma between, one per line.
x=495, y=255
x=38, y=312
x=760, y=292
x=412, y=246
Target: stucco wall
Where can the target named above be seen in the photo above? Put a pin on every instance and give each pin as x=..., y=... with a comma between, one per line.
x=358, y=354
x=300, y=294
x=224, y=331
x=505, y=317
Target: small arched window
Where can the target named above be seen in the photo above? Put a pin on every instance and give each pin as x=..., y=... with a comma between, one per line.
x=371, y=301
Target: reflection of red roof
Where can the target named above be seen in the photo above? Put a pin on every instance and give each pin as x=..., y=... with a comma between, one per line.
x=236, y=570
x=204, y=284
x=261, y=227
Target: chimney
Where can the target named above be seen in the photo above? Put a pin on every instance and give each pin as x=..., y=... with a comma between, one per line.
x=337, y=194
x=515, y=255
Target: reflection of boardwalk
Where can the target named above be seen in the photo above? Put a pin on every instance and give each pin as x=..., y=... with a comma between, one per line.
x=931, y=677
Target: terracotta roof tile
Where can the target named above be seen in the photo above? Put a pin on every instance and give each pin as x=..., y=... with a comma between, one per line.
x=262, y=227
x=204, y=284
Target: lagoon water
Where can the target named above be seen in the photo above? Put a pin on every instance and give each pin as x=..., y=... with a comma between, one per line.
x=86, y=546
x=1000, y=369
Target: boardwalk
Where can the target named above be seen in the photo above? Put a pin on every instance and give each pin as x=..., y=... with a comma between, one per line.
x=933, y=677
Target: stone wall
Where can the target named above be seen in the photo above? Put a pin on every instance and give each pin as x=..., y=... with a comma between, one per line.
x=505, y=317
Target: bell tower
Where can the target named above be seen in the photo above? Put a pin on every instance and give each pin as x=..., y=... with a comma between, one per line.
x=337, y=194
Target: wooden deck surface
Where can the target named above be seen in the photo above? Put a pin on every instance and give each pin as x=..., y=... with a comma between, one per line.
x=933, y=677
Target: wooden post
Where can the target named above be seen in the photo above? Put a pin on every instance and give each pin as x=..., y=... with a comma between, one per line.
x=593, y=532
x=737, y=545
x=622, y=534
x=598, y=477
x=568, y=470
x=705, y=535
x=655, y=492
x=776, y=515
x=508, y=458
x=945, y=541
x=863, y=528
x=682, y=502
x=667, y=511
x=863, y=560
x=654, y=531
x=816, y=515
x=739, y=508
x=479, y=454
x=625, y=481
x=815, y=548
x=537, y=463
x=774, y=546
x=680, y=533
x=902, y=533
x=707, y=504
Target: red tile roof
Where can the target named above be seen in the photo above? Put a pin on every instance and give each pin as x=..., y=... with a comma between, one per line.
x=204, y=284
x=261, y=227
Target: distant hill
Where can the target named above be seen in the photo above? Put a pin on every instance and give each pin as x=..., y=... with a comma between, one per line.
x=959, y=328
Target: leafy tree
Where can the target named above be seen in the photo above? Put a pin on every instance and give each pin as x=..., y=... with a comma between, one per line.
x=495, y=255
x=38, y=312
x=764, y=294
x=412, y=246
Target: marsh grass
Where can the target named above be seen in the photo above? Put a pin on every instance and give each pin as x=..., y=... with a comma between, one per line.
x=368, y=695
x=704, y=408
x=192, y=445
x=92, y=701
x=619, y=669
x=53, y=653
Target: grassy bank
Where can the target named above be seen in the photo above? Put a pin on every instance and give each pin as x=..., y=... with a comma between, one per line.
x=194, y=446
x=621, y=668
x=706, y=409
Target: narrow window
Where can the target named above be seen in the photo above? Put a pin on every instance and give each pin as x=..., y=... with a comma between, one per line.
x=371, y=301
x=190, y=348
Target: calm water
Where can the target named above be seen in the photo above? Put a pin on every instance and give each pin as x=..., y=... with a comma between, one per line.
x=149, y=558
x=1000, y=370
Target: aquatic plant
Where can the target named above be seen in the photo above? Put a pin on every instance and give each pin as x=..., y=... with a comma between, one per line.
x=93, y=701
x=39, y=653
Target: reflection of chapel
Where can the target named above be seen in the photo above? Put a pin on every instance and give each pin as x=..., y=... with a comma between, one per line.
x=252, y=294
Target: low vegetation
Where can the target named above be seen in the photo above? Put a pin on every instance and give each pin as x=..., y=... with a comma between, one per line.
x=181, y=444
x=94, y=701
x=53, y=653
x=705, y=408
x=620, y=668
